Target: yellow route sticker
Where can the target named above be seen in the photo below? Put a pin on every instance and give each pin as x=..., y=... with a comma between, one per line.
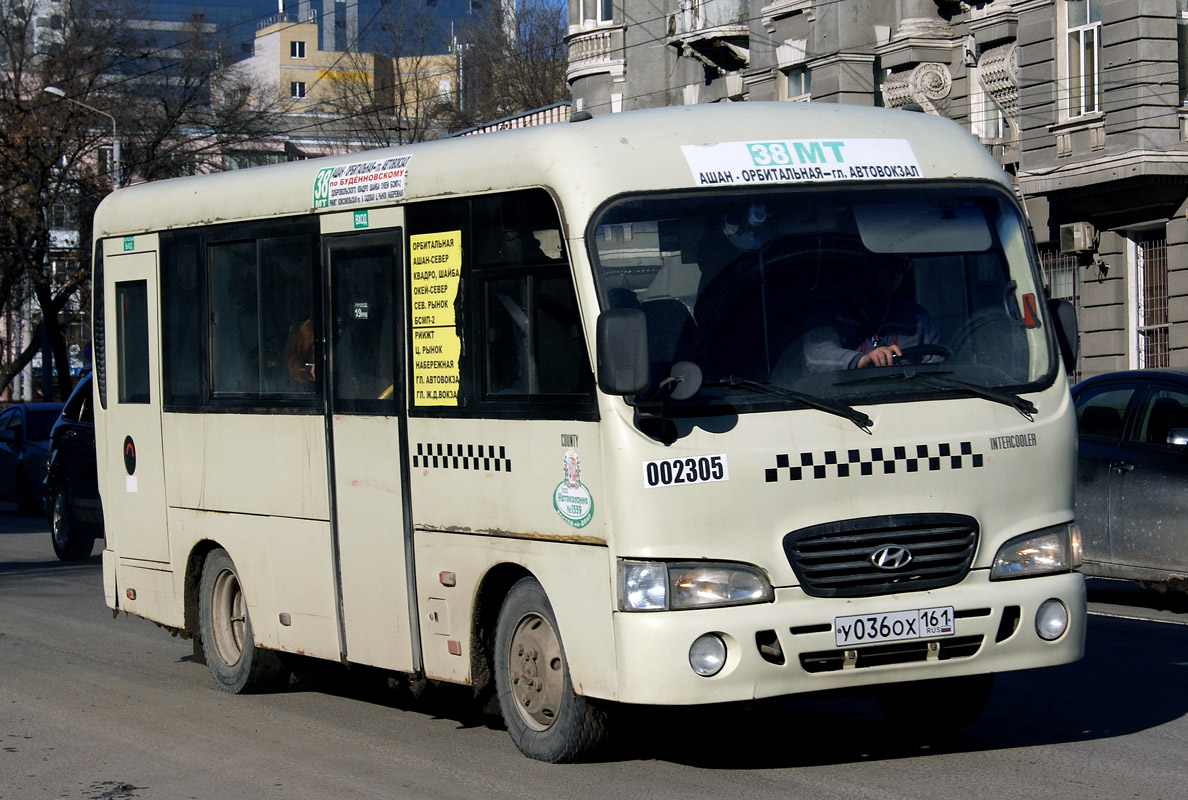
x=436, y=264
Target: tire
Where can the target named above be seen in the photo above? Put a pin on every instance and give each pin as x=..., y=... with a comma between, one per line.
x=957, y=704
x=71, y=542
x=234, y=661
x=546, y=720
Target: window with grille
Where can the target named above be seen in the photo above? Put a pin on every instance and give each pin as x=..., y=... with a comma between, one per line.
x=1063, y=280
x=1153, y=327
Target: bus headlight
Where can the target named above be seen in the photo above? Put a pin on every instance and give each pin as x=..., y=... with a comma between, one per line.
x=1054, y=549
x=657, y=585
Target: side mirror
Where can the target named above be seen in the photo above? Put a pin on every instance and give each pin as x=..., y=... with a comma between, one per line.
x=1067, y=335
x=622, y=342
x=1178, y=437
x=10, y=435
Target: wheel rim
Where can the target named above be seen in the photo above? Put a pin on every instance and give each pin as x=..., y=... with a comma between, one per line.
x=228, y=617
x=536, y=671
x=60, y=529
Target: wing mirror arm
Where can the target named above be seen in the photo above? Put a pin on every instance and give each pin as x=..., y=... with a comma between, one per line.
x=1067, y=335
x=622, y=345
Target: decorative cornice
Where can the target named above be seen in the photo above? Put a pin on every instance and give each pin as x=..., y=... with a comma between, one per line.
x=998, y=73
x=922, y=84
x=1134, y=163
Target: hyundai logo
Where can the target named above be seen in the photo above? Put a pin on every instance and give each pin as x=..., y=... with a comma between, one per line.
x=891, y=557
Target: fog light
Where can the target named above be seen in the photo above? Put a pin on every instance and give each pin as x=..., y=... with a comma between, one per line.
x=1051, y=621
x=707, y=656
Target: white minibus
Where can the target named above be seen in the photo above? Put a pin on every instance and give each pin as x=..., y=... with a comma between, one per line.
x=684, y=406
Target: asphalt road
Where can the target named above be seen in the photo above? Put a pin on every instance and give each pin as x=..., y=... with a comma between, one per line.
x=96, y=707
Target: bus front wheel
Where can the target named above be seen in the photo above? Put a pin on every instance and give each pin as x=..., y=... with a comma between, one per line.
x=236, y=664
x=546, y=720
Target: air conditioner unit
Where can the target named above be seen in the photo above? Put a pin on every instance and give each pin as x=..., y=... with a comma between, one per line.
x=1077, y=237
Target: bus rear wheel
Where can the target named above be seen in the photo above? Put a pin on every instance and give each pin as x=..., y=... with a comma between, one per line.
x=236, y=664
x=546, y=720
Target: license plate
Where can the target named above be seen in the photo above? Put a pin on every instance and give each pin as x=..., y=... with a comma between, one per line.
x=895, y=626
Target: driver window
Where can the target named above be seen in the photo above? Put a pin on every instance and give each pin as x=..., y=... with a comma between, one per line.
x=1101, y=414
x=1164, y=409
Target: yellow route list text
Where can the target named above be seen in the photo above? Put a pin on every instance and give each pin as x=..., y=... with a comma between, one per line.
x=436, y=263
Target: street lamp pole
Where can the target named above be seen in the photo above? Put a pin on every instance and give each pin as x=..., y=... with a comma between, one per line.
x=115, y=139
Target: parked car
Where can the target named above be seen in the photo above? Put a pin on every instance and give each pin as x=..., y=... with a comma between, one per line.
x=1132, y=475
x=71, y=482
x=24, y=447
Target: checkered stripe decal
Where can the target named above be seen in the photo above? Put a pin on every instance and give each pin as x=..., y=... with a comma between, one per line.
x=481, y=457
x=875, y=460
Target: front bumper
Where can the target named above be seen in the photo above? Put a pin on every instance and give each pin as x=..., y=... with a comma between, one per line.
x=994, y=632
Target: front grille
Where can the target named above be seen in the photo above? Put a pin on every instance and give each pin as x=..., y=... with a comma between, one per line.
x=893, y=653
x=836, y=559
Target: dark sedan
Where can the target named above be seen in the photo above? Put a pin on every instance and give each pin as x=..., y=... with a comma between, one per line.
x=1132, y=475
x=71, y=483
x=24, y=448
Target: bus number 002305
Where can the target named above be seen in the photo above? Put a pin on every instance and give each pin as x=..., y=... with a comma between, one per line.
x=677, y=471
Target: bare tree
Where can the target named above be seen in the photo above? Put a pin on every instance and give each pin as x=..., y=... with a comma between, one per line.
x=513, y=60
x=174, y=110
x=412, y=79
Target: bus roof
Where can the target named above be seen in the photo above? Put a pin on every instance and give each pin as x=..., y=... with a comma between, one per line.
x=583, y=163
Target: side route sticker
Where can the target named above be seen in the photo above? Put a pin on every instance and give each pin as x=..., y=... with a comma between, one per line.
x=377, y=181
x=679, y=471
x=801, y=161
x=571, y=498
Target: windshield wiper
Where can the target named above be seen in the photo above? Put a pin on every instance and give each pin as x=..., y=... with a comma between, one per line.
x=819, y=403
x=937, y=379
x=1020, y=404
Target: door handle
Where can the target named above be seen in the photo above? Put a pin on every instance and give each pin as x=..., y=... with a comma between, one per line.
x=1122, y=466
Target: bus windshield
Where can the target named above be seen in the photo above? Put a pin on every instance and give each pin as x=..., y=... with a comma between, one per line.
x=850, y=295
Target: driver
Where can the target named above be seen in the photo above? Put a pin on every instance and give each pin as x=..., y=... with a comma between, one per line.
x=868, y=323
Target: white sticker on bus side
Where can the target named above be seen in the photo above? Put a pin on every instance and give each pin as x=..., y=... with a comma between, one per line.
x=801, y=161
x=688, y=470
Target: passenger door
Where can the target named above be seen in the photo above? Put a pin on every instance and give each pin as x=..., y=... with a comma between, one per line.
x=1149, y=529
x=1101, y=412
x=131, y=463
x=370, y=497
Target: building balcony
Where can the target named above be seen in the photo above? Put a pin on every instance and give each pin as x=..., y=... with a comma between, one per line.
x=595, y=52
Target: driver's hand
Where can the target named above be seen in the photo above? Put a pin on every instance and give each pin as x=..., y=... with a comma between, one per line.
x=880, y=356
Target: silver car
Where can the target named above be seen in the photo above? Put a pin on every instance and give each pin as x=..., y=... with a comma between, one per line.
x=1132, y=474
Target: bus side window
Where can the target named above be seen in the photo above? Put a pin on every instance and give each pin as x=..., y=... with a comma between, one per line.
x=132, y=339
x=182, y=312
x=522, y=348
x=533, y=341
x=232, y=298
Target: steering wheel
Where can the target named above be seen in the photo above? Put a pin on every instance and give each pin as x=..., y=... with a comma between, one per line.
x=918, y=352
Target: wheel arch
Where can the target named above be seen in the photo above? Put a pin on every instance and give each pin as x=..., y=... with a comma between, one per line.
x=192, y=581
x=488, y=599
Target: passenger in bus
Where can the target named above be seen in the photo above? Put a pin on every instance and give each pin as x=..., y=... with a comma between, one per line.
x=869, y=323
x=299, y=355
